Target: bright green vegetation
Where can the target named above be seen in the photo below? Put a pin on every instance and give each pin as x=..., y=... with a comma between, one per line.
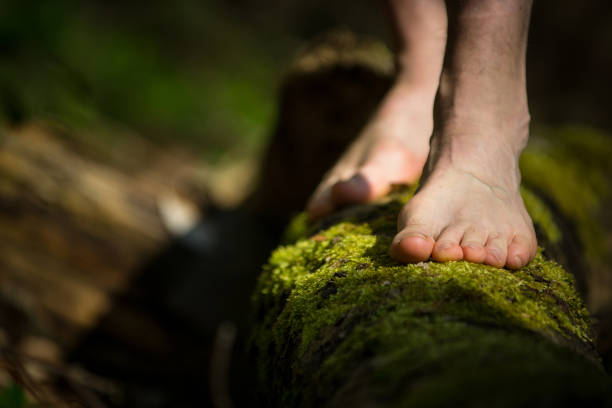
x=342, y=323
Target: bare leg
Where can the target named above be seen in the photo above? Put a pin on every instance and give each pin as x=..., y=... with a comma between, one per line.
x=394, y=145
x=469, y=206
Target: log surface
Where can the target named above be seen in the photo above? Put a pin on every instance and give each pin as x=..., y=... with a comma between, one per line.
x=340, y=322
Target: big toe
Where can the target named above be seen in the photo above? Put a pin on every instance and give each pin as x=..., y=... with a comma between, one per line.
x=320, y=204
x=358, y=189
x=411, y=246
x=388, y=164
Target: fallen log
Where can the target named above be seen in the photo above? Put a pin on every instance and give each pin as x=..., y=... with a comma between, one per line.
x=339, y=323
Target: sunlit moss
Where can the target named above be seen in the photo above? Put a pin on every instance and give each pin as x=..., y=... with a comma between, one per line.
x=356, y=250
x=338, y=290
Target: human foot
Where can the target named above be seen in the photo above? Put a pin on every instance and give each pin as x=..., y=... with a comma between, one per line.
x=465, y=213
x=391, y=150
x=469, y=205
x=394, y=145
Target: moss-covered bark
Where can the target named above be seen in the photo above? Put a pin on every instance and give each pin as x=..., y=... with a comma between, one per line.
x=339, y=323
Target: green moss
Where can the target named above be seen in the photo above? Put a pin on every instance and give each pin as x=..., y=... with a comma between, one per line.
x=571, y=165
x=297, y=228
x=336, y=295
x=440, y=360
x=541, y=215
x=357, y=251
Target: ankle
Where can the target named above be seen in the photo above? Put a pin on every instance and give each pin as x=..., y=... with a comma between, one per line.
x=474, y=107
x=480, y=153
x=497, y=96
x=471, y=129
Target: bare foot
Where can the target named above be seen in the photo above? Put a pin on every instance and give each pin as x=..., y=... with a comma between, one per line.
x=468, y=207
x=391, y=150
x=394, y=145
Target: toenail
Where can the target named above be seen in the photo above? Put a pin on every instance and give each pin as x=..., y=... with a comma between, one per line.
x=415, y=235
x=518, y=261
x=357, y=181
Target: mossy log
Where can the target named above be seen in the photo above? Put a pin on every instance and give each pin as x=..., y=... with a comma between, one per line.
x=339, y=323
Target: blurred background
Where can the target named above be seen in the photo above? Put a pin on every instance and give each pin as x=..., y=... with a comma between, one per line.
x=132, y=134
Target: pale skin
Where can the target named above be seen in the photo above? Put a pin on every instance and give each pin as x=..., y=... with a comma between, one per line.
x=463, y=60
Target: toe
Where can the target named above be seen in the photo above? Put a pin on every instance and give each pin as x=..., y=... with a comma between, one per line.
x=357, y=189
x=370, y=182
x=320, y=204
x=497, y=250
x=519, y=252
x=411, y=245
x=388, y=163
x=447, y=246
x=473, y=244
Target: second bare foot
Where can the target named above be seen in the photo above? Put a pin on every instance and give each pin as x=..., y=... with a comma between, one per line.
x=391, y=150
